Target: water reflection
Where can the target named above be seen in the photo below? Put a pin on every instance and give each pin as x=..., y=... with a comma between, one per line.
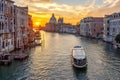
x=52, y=60
x=80, y=74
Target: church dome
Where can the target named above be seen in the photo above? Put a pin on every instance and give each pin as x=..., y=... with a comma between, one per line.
x=53, y=19
x=60, y=21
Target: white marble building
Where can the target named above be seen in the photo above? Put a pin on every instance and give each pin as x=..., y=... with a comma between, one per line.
x=111, y=27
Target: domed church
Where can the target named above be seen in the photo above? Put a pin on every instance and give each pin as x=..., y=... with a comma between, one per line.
x=52, y=19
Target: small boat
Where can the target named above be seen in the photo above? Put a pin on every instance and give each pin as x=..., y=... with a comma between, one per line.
x=79, y=59
x=21, y=56
x=5, y=58
x=115, y=46
x=38, y=43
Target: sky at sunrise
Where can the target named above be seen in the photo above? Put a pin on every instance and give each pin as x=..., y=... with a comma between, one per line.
x=71, y=10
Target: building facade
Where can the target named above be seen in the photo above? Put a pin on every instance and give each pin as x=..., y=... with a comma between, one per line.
x=7, y=25
x=21, y=26
x=30, y=30
x=59, y=24
x=106, y=25
x=91, y=27
x=51, y=26
x=15, y=26
x=68, y=28
x=111, y=27
x=82, y=28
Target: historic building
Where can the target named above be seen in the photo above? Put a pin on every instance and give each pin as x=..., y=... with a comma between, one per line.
x=51, y=26
x=60, y=21
x=53, y=19
x=92, y=27
x=30, y=30
x=111, y=27
x=7, y=25
x=82, y=28
x=1, y=22
x=60, y=26
x=15, y=26
x=21, y=26
x=68, y=28
x=106, y=25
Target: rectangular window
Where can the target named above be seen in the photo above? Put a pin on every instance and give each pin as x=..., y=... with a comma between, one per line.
x=0, y=42
x=94, y=24
x=3, y=45
x=113, y=29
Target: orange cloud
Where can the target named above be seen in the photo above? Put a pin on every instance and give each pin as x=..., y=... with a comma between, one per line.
x=41, y=10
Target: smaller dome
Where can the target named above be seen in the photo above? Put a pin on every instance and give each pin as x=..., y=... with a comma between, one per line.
x=60, y=20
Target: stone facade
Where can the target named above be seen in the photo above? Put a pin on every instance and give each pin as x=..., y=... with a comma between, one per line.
x=91, y=27
x=106, y=25
x=14, y=26
x=21, y=26
x=30, y=30
x=111, y=27
x=51, y=26
x=114, y=25
x=7, y=25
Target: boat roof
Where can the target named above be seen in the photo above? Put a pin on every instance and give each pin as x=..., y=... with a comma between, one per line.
x=78, y=53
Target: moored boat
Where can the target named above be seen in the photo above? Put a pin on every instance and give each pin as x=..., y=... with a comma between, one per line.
x=5, y=58
x=21, y=56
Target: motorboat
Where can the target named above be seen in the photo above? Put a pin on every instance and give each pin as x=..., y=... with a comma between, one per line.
x=79, y=58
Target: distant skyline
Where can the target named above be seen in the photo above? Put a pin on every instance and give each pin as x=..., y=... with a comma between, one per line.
x=71, y=10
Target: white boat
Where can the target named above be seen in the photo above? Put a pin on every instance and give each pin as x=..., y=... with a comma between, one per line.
x=79, y=59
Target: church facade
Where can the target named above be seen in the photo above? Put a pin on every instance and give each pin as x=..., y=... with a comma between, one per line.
x=54, y=25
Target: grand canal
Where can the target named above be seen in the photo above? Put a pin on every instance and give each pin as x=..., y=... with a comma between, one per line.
x=52, y=60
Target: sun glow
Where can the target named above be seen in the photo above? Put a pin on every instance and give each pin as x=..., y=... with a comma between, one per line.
x=37, y=23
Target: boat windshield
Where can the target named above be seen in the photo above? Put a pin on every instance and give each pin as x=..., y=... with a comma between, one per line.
x=77, y=47
x=79, y=53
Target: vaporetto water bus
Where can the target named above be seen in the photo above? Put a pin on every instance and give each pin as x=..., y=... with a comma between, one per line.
x=79, y=58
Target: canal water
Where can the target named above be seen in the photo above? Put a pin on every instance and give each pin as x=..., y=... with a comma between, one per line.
x=52, y=60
